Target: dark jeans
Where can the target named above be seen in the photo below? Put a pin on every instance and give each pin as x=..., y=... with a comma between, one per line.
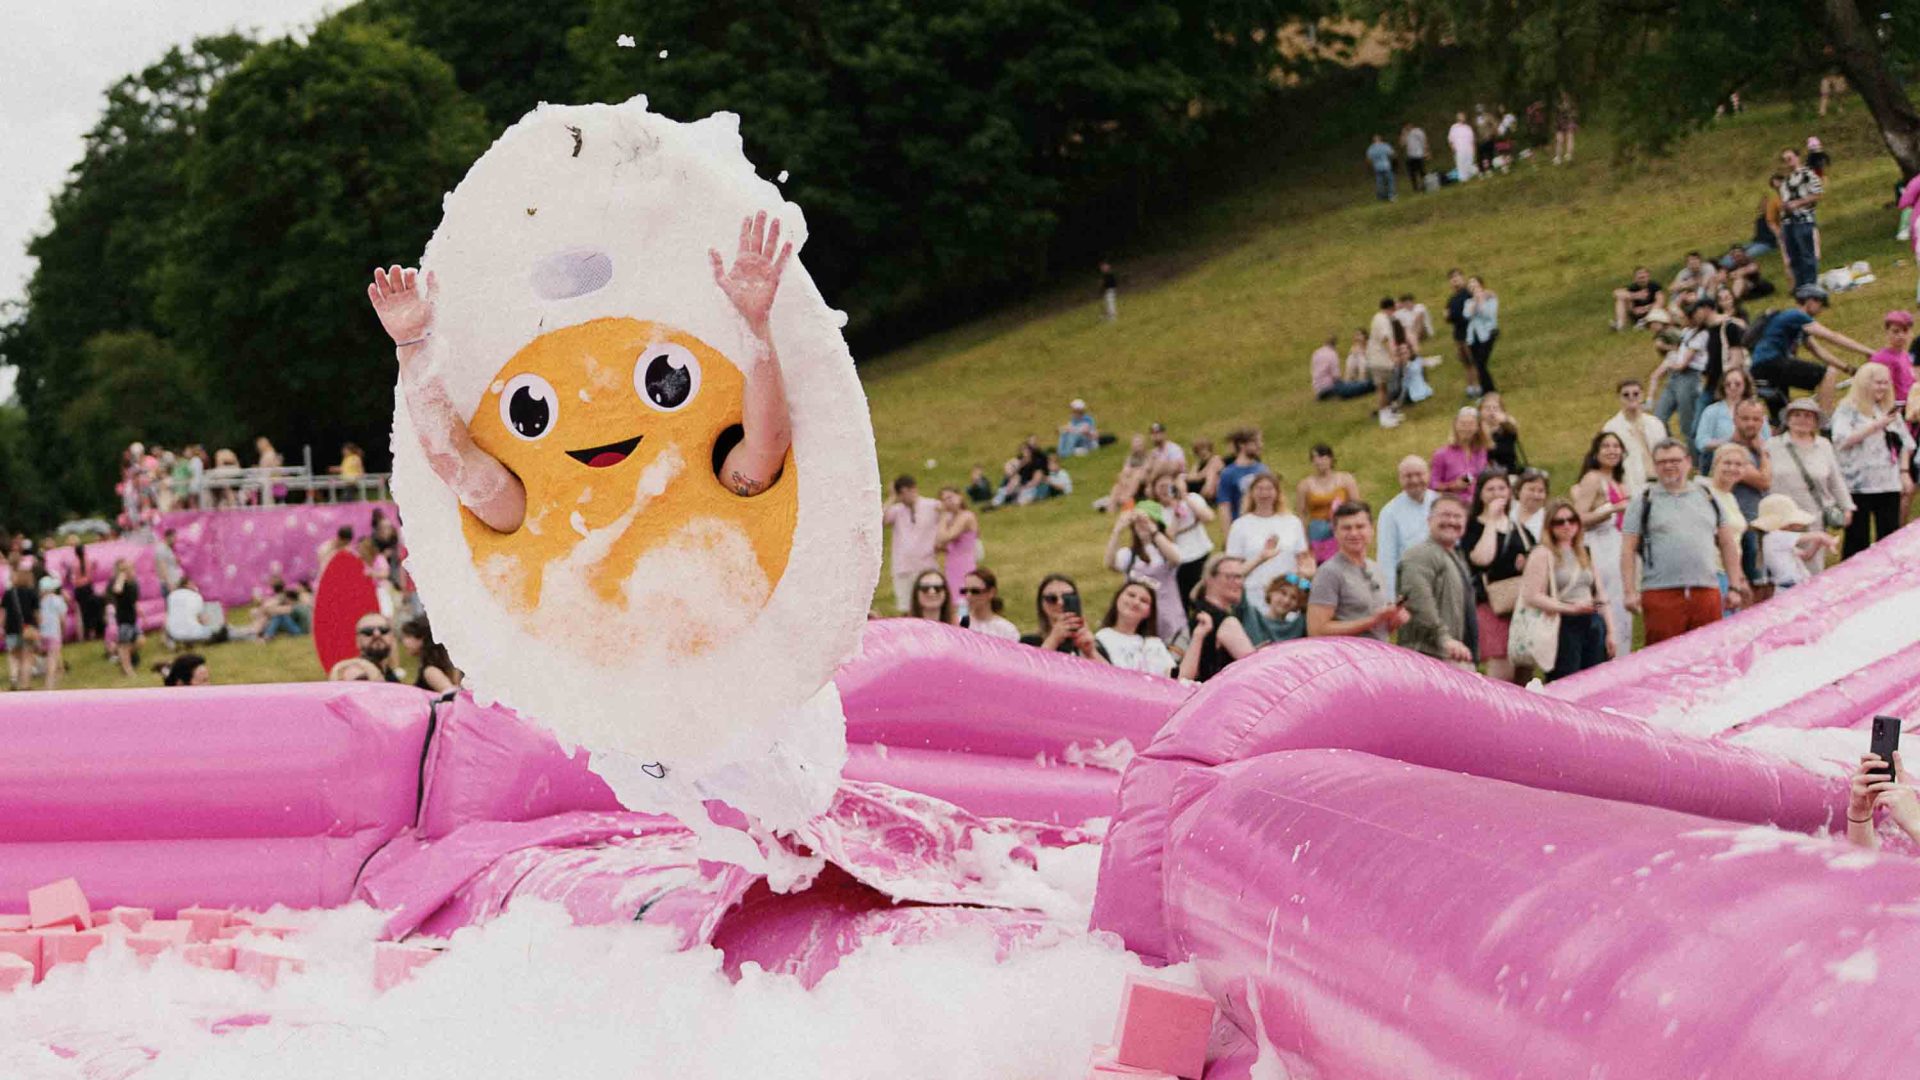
x=1344, y=389
x=1417, y=173
x=1750, y=564
x=1383, y=184
x=1481, y=352
x=1583, y=644
x=1879, y=511
x=1799, y=239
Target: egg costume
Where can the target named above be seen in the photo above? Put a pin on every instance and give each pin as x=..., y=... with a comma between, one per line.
x=682, y=633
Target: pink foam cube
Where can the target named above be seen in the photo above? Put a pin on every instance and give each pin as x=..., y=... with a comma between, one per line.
x=14, y=973
x=394, y=963
x=133, y=918
x=264, y=962
x=22, y=945
x=59, y=904
x=216, y=955
x=1164, y=1027
x=9, y=923
x=206, y=922
x=71, y=948
x=178, y=931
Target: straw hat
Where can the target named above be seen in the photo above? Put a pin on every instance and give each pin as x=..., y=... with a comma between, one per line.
x=1805, y=404
x=1659, y=315
x=1780, y=512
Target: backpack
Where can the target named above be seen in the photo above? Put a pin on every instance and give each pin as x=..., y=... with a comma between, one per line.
x=1757, y=329
x=1646, y=512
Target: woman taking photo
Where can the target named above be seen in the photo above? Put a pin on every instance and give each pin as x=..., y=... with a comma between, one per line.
x=1454, y=466
x=1188, y=515
x=1482, y=310
x=1561, y=579
x=1218, y=638
x=1503, y=435
x=1129, y=632
x=1321, y=493
x=1139, y=549
x=1057, y=611
x=1875, y=451
x=957, y=536
x=437, y=672
x=1203, y=476
x=1271, y=541
x=1806, y=470
x=1600, y=496
x=931, y=598
x=981, y=591
x=1496, y=546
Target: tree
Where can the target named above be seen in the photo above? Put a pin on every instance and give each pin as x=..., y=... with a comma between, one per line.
x=315, y=161
x=1667, y=65
x=507, y=61
x=134, y=387
x=96, y=265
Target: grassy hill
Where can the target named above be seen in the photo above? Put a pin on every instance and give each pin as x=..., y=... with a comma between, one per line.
x=1223, y=301
x=1217, y=321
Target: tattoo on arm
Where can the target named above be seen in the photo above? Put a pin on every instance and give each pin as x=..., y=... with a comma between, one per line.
x=744, y=485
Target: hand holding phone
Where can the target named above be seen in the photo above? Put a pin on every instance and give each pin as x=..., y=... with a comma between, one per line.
x=1886, y=740
x=1071, y=605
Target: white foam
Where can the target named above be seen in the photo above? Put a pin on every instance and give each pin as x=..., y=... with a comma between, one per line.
x=653, y=196
x=531, y=995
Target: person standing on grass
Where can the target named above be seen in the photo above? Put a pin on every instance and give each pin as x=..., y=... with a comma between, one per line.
x=1380, y=156
x=1321, y=492
x=1806, y=470
x=20, y=609
x=1130, y=632
x=1140, y=549
x=1673, y=531
x=1438, y=586
x=1382, y=365
x=1483, y=329
x=1460, y=141
x=1897, y=356
x=915, y=521
x=1561, y=579
x=1800, y=194
x=1347, y=598
x=1639, y=433
x=957, y=536
x=1061, y=629
x=1403, y=521
x=124, y=593
x=1269, y=540
x=1457, y=317
x=1876, y=457
x=1415, y=319
x=1601, y=495
x=1684, y=371
x=1566, y=122
x=53, y=627
x=1216, y=636
x=1496, y=547
x=1109, y=292
x=1413, y=139
x=932, y=600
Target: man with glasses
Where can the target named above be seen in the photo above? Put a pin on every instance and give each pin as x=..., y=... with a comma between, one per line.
x=1639, y=431
x=1348, y=599
x=1673, y=531
x=374, y=634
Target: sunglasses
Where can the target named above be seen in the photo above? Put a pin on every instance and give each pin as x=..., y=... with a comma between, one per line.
x=1557, y=522
x=1055, y=597
x=369, y=631
x=969, y=590
x=933, y=588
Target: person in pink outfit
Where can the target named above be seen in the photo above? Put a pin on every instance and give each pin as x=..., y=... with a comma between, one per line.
x=958, y=537
x=1456, y=465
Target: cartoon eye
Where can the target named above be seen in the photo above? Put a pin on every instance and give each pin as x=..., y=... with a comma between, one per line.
x=667, y=376
x=529, y=407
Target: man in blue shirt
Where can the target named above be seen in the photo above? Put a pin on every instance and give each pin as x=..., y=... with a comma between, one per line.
x=1782, y=335
x=1246, y=465
x=1380, y=156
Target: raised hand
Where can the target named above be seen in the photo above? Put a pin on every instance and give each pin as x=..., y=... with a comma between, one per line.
x=404, y=302
x=755, y=276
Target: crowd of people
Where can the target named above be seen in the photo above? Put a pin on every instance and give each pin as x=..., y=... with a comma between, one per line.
x=154, y=480
x=1483, y=142
x=1385, y=360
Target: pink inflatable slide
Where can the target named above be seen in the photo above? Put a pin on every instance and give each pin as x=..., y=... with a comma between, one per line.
x=1379, y=866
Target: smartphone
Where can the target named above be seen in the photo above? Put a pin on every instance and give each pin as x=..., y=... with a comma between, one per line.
x=1886, y=739
x=1071, y=605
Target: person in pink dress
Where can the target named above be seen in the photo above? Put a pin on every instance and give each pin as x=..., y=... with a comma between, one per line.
x=958, y=537
x=1457, y=464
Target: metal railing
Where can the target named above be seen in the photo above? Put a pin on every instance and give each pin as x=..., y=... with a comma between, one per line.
x=261, y=488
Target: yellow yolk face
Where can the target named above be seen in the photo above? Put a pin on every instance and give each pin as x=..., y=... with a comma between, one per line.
x=612, y=426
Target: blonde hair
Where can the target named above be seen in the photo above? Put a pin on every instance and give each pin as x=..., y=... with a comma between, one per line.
x=1480, y=440
x=1279, y=493
x=1857, y=393
x=1727, y=450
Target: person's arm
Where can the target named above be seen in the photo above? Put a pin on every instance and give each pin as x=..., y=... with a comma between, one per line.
x=1854, y=429
x=951, y=526
x=1190, y=662
x=755, y=462
x=1729, y=538
x=1825, y=333
x=1233, y=638
x=1759, y=477
x=1350, y=490
x=1114, y=543
x=436, y=680
x=1486, y=547
x=1164, y=545
x=403, y=301
x=1416, y=585
x=1630, y=569
x=1199, y=504
x=1869, y=784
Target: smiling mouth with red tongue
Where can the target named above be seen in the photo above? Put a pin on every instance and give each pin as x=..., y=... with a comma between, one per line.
x=601, y=457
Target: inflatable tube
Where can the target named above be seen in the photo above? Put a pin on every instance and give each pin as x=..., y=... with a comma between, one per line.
x=1690, y=671
x=228, y=795
x=1363, y=695
x=1403, y=923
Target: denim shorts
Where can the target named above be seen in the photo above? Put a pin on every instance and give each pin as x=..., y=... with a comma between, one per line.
x=13, y=642
x=126, y=634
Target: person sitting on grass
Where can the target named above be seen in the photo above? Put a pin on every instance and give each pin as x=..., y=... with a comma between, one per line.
x=1080, y=435
x=1325, y=372
x=192, y=619
x=187, y=669
x=979, y=488
x=1635, y=300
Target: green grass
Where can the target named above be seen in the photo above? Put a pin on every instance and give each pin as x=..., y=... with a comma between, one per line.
x=1222, y=302
x=1214, y=342
x=284, y=659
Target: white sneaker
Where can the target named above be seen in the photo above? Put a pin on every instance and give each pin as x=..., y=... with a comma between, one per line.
x=1431, y=362
x=1389, y=418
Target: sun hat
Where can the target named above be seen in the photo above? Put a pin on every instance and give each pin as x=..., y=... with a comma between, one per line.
x=1805, y=404
x=1076, y=405
x=1779, y=512
x=1659, y=315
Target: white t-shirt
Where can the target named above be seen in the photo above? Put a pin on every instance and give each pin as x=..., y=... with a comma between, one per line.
x=1460, y=138
x=995, y=626
x=1417, y=321
x=1784, y=566
x=1170, y=451
x=1189, y=534
x=1249, y=535
x=1135, y=652
x=183, y=616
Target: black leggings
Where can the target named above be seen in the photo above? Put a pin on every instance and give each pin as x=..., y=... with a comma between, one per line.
x=1481, y=352
x=1879, y=511
x=1583, y=644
